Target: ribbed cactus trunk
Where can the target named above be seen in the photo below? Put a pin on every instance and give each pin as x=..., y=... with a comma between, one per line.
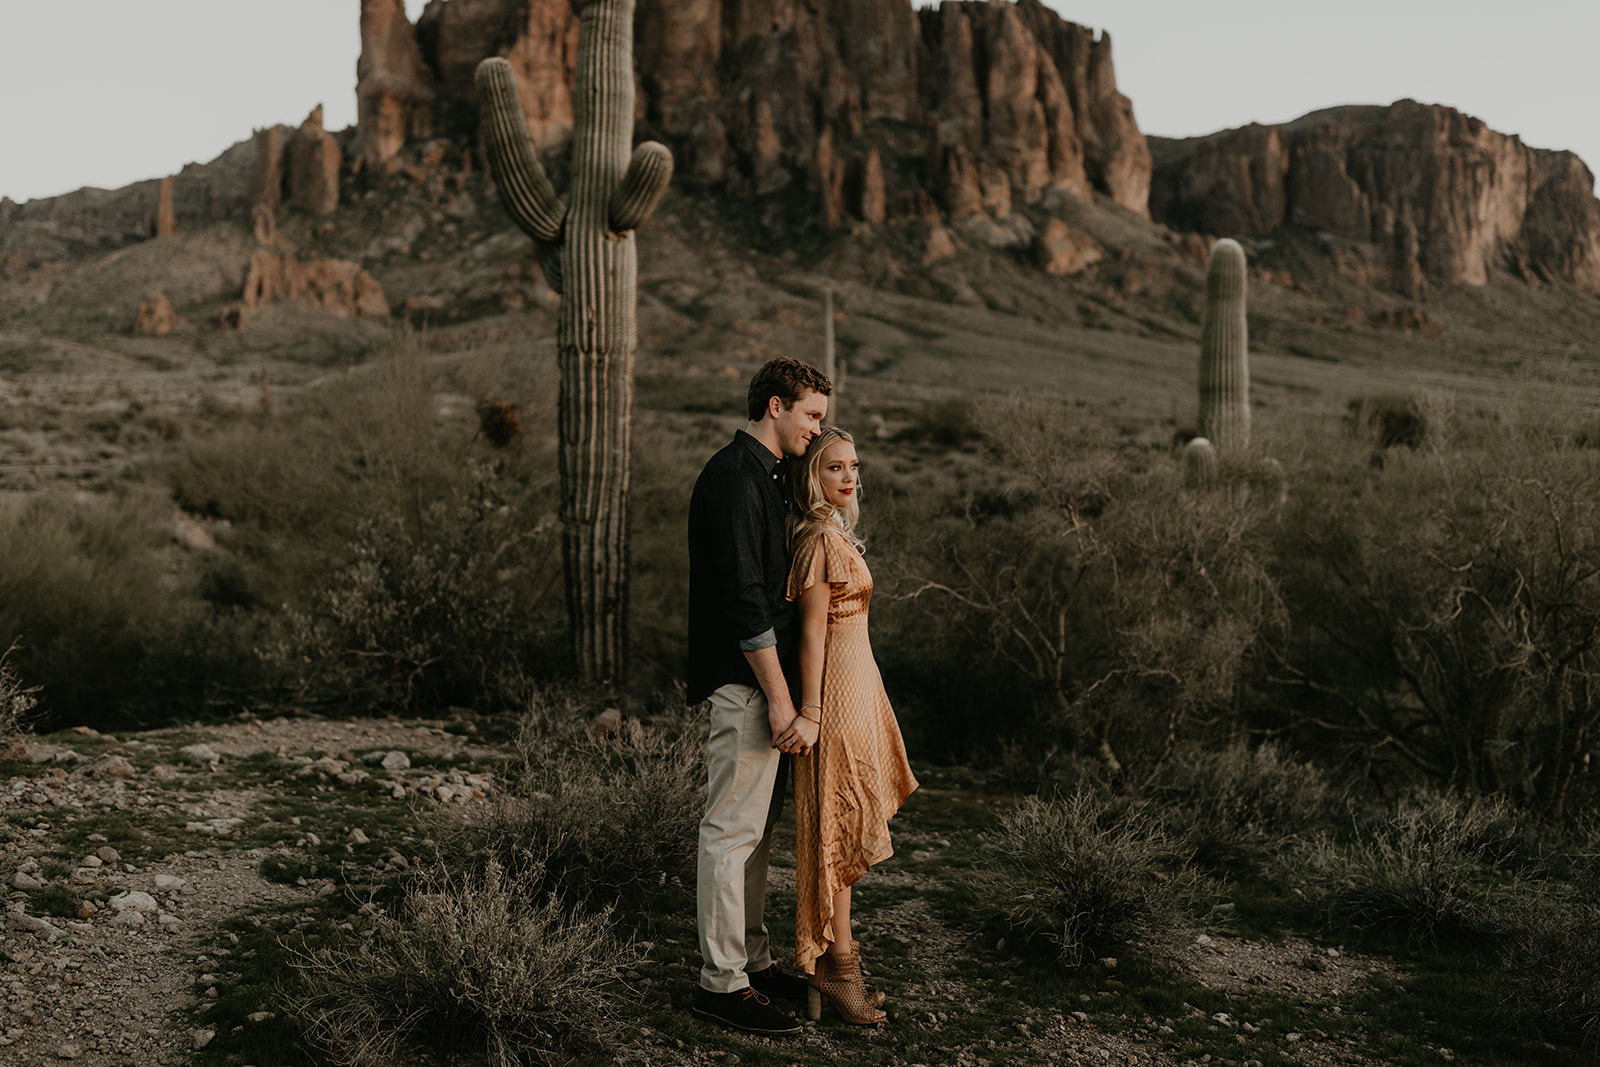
x=1225, y=351
x=587, y=248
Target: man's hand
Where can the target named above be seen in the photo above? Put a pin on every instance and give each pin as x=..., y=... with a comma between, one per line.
x=780, y=713
x=799, y=737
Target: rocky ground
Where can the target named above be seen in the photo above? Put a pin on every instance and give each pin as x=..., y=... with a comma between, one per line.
x=110, y=938
x=130, y=862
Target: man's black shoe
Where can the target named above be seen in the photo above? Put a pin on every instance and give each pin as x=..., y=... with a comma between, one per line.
x=745, y=1009
x=777, y=982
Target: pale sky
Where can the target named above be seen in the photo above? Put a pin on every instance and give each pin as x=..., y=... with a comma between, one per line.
x=108, y=92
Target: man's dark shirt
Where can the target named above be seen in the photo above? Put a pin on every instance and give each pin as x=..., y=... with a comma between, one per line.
x=738, y=569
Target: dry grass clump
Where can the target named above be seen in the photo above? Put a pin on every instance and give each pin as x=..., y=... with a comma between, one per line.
x=1427, y=872
x=470, y=968
x=1551, y=965
x=1242, y=800
x=590, y=814
x=1089, y=873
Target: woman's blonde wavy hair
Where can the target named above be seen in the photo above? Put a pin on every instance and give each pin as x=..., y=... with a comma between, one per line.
x=809, y=510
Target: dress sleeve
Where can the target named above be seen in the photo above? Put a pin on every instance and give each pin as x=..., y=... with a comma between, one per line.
x=836, y=552
x=805, y=557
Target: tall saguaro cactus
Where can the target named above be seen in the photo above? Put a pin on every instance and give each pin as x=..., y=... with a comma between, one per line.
x=585, y=244
x=1225, y=351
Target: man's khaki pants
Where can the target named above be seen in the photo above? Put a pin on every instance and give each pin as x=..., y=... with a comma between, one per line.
x=742, y=806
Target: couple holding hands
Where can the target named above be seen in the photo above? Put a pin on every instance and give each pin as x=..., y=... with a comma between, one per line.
x=778, y=595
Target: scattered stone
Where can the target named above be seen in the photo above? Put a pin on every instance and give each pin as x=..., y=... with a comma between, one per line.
x=90, y=861
x=327, y=767
x=170, y=883
x=201, y=753
x=25, y=882
x=69, y=1052
x=86, y=909
x=169, y=921
x=396, y=761
x=22, y=922
x=106, y=853
x=261, y=1016
x=201, y=1038
x=359, y=837
x=133, y=900
x=128, y=918
x=107, y=767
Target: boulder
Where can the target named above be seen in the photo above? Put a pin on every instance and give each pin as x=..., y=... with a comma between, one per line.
x=266, y=183
x=873, y=203
x=313, y=160
x=156, y=316
x=166, y=222
x=335, y=285
x=1062, y=250
x=394, y=88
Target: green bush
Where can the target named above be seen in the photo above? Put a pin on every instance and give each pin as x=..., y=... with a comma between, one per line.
x=1444, y=613
x=440, y=610
x=469, y=968
x=587, y=814
x=1088, y=873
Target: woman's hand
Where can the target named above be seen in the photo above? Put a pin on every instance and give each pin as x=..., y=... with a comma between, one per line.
x=800, y=737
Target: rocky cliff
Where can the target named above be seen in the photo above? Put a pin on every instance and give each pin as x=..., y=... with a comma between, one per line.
x=1444, y=197
x=759, y=95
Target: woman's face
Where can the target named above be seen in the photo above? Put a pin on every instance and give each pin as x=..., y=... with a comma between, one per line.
x=839, y=472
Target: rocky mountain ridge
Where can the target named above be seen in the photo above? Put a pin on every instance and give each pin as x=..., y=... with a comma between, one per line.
x=994, y=118
x=1450, y=200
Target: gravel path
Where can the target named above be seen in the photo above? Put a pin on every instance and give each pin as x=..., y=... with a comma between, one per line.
x=109, y=982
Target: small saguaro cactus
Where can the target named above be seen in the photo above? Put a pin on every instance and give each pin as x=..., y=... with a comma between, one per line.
x=1199, y=464
x=1225, y=351
x=585, y=245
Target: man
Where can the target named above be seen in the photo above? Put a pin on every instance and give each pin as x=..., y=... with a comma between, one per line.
x=743, y=636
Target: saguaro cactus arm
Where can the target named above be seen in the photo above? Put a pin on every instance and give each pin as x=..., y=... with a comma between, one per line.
x=641, y=188
x=524, y=188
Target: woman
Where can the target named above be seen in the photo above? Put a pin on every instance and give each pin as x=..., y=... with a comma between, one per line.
x=853, y=775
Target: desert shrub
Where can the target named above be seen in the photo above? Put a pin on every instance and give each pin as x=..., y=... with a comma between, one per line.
x=1428, y=872
x=588, y=813
x=469, y=967
x=114, y=628
x=437, y=610
x=1242, y=799
x=1113, y=611
x=1088, y=873
x=1446, y=614
x=403, y=560
x=16, y=700
x=1551, y=968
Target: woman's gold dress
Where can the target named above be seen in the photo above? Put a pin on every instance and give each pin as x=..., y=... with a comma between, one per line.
x=857, y=776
